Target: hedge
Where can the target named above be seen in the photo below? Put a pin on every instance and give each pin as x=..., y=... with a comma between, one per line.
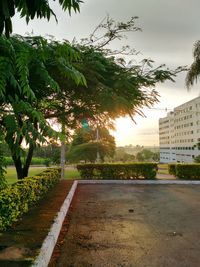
x=118, y=171
x=34, y=161
x=172, y=169
x=186, y=171
x=17, y=198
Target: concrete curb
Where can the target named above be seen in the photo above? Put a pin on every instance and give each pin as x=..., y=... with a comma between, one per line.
x=49, y=243
x=154, y=182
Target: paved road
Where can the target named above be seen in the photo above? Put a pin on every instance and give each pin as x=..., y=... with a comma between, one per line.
x=133, y=226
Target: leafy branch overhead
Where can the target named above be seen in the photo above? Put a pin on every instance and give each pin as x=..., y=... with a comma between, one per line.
x=31, y=9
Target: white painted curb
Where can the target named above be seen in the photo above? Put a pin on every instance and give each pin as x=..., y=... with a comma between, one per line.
x=180, y=182
x=49, y=243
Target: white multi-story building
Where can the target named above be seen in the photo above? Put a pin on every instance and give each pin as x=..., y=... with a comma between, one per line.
x=179, y=133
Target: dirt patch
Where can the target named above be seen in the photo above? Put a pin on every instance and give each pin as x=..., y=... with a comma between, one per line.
x=14, y=253
x=21, y=243
x=131, y=225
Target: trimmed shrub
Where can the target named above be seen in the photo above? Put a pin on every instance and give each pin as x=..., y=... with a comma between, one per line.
x=17, y=198
x=188, y=171
x=3, y=181
x=172, y=169
x=118, y=171
x=185, y=171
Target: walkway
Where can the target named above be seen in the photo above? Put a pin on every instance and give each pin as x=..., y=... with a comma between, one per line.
x=165, y=176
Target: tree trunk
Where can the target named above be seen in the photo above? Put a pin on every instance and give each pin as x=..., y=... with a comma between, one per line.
x=18, y=166
x=28, y=161
x=22, y=171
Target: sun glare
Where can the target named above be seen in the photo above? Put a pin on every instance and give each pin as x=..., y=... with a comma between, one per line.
x=123, y=129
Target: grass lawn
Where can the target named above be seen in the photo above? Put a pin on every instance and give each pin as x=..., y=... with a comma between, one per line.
x=163, y=169
x=160, y=171
x=11, y=176
x=70, y=172
x=163, y=166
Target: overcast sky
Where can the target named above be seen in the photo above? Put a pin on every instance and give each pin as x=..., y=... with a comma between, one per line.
x=169, y=30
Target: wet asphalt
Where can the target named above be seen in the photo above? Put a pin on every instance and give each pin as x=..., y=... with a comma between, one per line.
x=134, y=226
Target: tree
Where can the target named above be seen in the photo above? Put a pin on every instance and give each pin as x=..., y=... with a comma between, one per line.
x=197, y=159
x=156, y=156
x=145, y=155
x=128, y=86
x=4, y=148
x=25, y=83
x=50, y=151
x=85, y=146
x=30, y=9
x=122, y=155
x=194, y=70
x=41, y=80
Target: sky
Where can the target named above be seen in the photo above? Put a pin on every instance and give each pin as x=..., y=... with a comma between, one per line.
x=169, y=31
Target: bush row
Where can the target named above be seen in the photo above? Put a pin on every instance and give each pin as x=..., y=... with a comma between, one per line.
x=172, y=169
x=34, y=161
x=185, y=171
x=118, y=171
x=17, y=198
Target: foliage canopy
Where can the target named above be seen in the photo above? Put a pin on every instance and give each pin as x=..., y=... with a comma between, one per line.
x=194, y=70
x=25, y=83
x=30, y=9
x=85, y=146
x=147, y=155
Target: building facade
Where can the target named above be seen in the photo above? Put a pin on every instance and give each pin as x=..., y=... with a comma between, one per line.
x=179, y=133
